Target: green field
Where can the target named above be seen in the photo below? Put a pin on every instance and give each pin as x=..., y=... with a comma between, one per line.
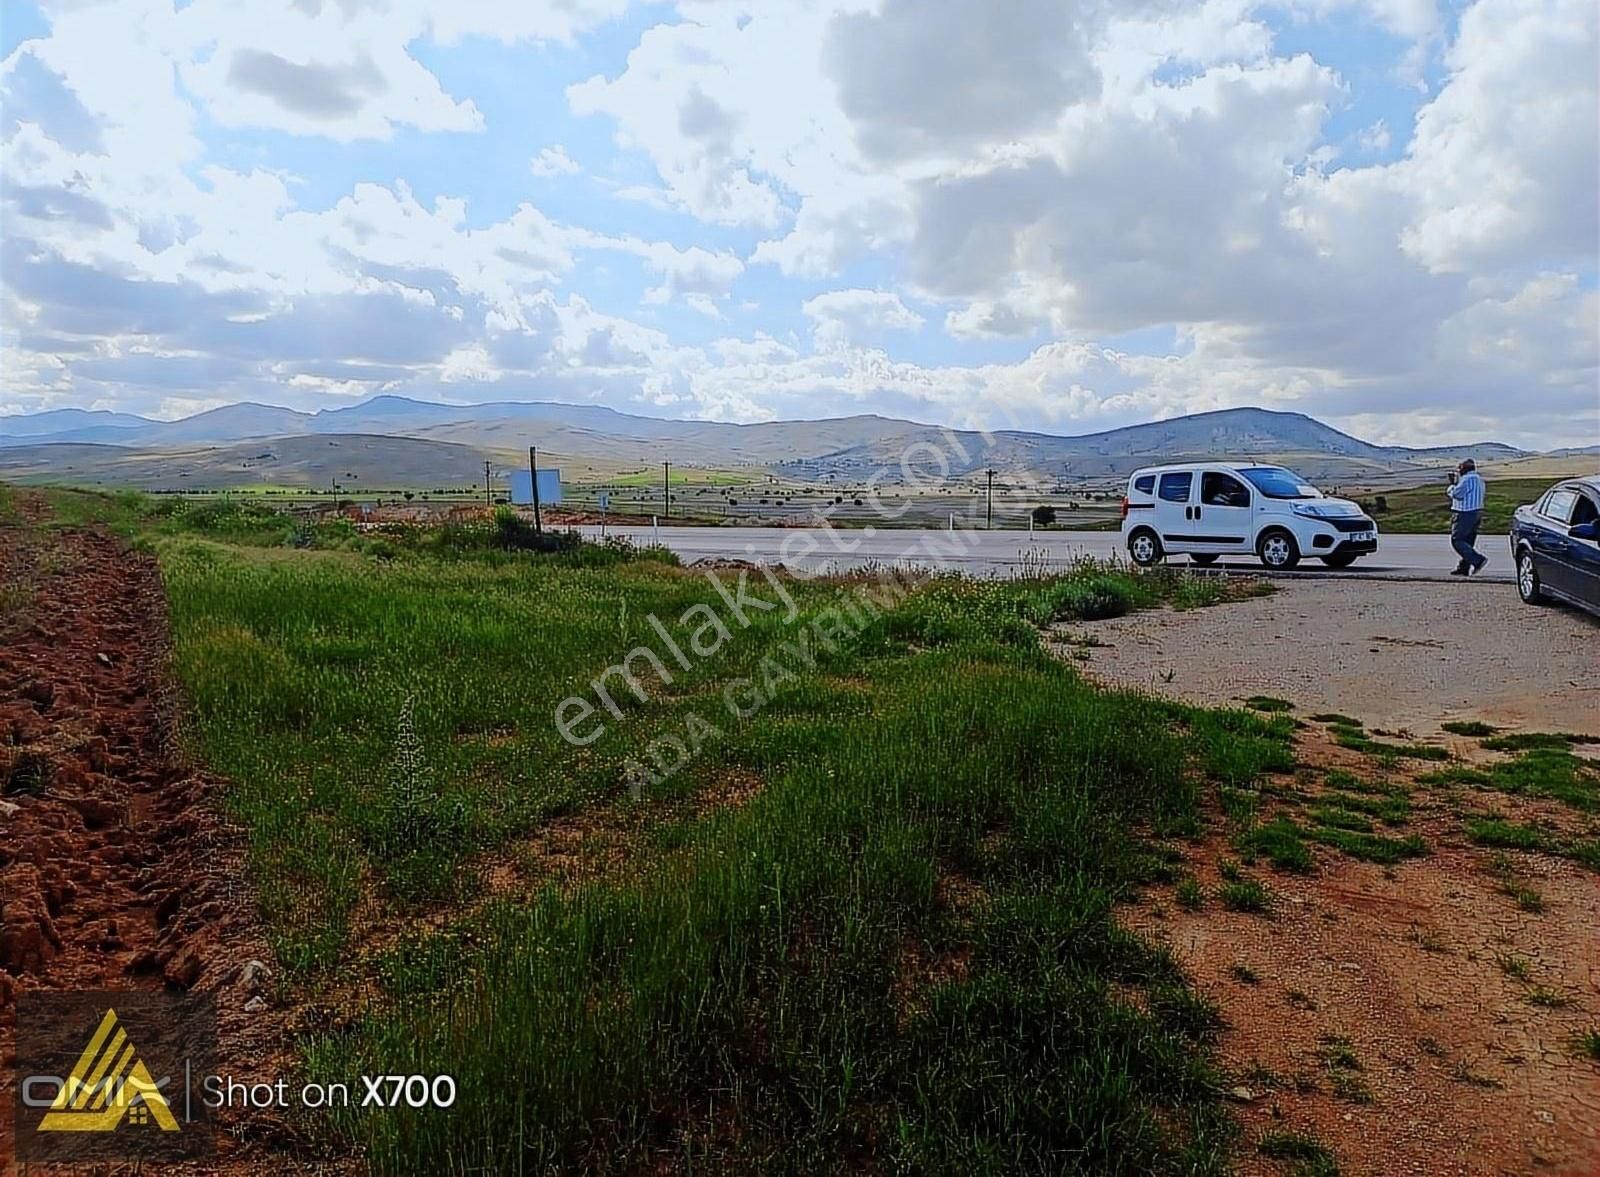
x=872, y=925
x=683, y=476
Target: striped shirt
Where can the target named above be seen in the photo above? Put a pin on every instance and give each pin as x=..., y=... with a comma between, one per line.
x=1467, y=493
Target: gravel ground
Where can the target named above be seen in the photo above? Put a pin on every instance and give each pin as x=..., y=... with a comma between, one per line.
x=1457, y=1004
x=1393, y=654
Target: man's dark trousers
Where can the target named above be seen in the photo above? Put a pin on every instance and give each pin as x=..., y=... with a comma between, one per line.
x=1463, y=532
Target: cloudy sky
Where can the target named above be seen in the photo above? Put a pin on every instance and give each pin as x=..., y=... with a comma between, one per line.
x=1021, y=213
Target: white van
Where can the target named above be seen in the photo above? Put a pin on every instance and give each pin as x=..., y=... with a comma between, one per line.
x=1210, y=509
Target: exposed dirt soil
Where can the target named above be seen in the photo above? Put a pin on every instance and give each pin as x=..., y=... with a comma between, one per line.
x=116, y=870
x=1395, y=654
x=1414, y=1018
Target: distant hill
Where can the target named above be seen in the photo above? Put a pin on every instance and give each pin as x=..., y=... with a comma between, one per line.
x=355, y=461
x=63, y=421
x=450, y=441
x=1318, y=451
x=230, y=423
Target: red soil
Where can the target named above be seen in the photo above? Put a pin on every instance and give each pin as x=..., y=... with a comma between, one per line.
x=115, y=868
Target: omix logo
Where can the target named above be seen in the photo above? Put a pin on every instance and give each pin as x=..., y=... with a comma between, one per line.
x=109, y=1084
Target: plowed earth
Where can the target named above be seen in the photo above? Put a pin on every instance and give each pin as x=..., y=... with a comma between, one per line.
x=116, y=871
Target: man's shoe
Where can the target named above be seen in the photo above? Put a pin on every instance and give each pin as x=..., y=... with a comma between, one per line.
x=1459, y=570
x=1480, y=565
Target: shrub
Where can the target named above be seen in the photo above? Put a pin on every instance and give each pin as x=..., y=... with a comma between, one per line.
x=1281, y=842
x=1307, y=1156
x=514, y=533
x=1469, y=727
x=1244, y=895
x=1268, y=703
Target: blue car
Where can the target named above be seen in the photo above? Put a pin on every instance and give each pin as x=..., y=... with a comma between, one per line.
x=1555, y=544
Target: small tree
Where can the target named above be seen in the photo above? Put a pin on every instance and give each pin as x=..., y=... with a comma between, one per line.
x=1044, y=515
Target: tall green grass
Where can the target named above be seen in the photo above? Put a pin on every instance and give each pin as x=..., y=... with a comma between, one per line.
x=901, y=952
x=298, y=666
x=747, y=1004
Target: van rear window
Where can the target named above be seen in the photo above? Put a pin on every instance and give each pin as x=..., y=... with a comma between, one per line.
x=1175, y=487
x=1145, y=484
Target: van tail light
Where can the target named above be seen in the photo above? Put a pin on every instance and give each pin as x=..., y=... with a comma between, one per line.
x=1124, y=506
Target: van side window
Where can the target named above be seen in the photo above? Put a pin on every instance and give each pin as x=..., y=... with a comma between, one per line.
x=1145, y=484
x=1222, y=490
x=1175, y=487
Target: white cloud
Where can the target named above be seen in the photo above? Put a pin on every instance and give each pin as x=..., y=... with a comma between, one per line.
x=732, y=108
x=993, y=319
x=1503, y=163
x=703, y=304
x=845, y=318
x=1374, y=139
x=691, y=271
x=554, y=161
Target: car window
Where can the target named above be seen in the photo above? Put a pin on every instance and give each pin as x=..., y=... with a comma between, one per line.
x=1277, y=483
x=1222, y=490
x=1175, y=487
x=1584, y=511
x=1145, y=484
x=1559, y=505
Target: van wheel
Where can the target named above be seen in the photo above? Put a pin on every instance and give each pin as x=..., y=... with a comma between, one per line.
x=1203, y=559
x=1277, y=549
x=1144, y=547
x=1343, y=561
x=1528, y=586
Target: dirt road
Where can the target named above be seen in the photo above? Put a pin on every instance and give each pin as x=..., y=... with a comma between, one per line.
x=1399, y=655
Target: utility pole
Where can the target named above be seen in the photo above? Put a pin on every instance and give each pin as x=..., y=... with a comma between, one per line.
x=533, y=478
x=666, y=489
x=486, y=500
x=988, y=520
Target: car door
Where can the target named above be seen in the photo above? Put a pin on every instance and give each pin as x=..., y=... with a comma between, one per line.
x=1174, y=509
x=1223, y=514
x=1583, y=554
x=1550, y=542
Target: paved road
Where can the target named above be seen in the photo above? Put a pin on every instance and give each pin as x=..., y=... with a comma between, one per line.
x=1000, y=553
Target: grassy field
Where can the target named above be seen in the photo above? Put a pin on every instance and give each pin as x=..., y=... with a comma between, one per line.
x=1421, y=509
x=684, y=476
x=870, y=924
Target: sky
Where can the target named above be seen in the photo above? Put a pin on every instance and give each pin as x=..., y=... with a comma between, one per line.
x=989, y=213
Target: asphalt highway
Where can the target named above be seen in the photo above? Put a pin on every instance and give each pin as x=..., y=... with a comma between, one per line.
x=1003, y=553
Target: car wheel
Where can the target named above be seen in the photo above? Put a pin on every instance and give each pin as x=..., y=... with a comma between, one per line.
x=1528, y=587
x=1204, y=559
x=1277, y=549
x=1343, y=561
x=1144, y=548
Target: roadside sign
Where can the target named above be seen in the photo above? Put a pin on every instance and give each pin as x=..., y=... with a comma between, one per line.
x=604, y=501
x=549, y=487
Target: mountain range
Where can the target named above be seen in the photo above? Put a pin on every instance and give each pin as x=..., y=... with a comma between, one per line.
x=392, y=441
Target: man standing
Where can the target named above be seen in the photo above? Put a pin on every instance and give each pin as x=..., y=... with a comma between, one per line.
x=1466, y=512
